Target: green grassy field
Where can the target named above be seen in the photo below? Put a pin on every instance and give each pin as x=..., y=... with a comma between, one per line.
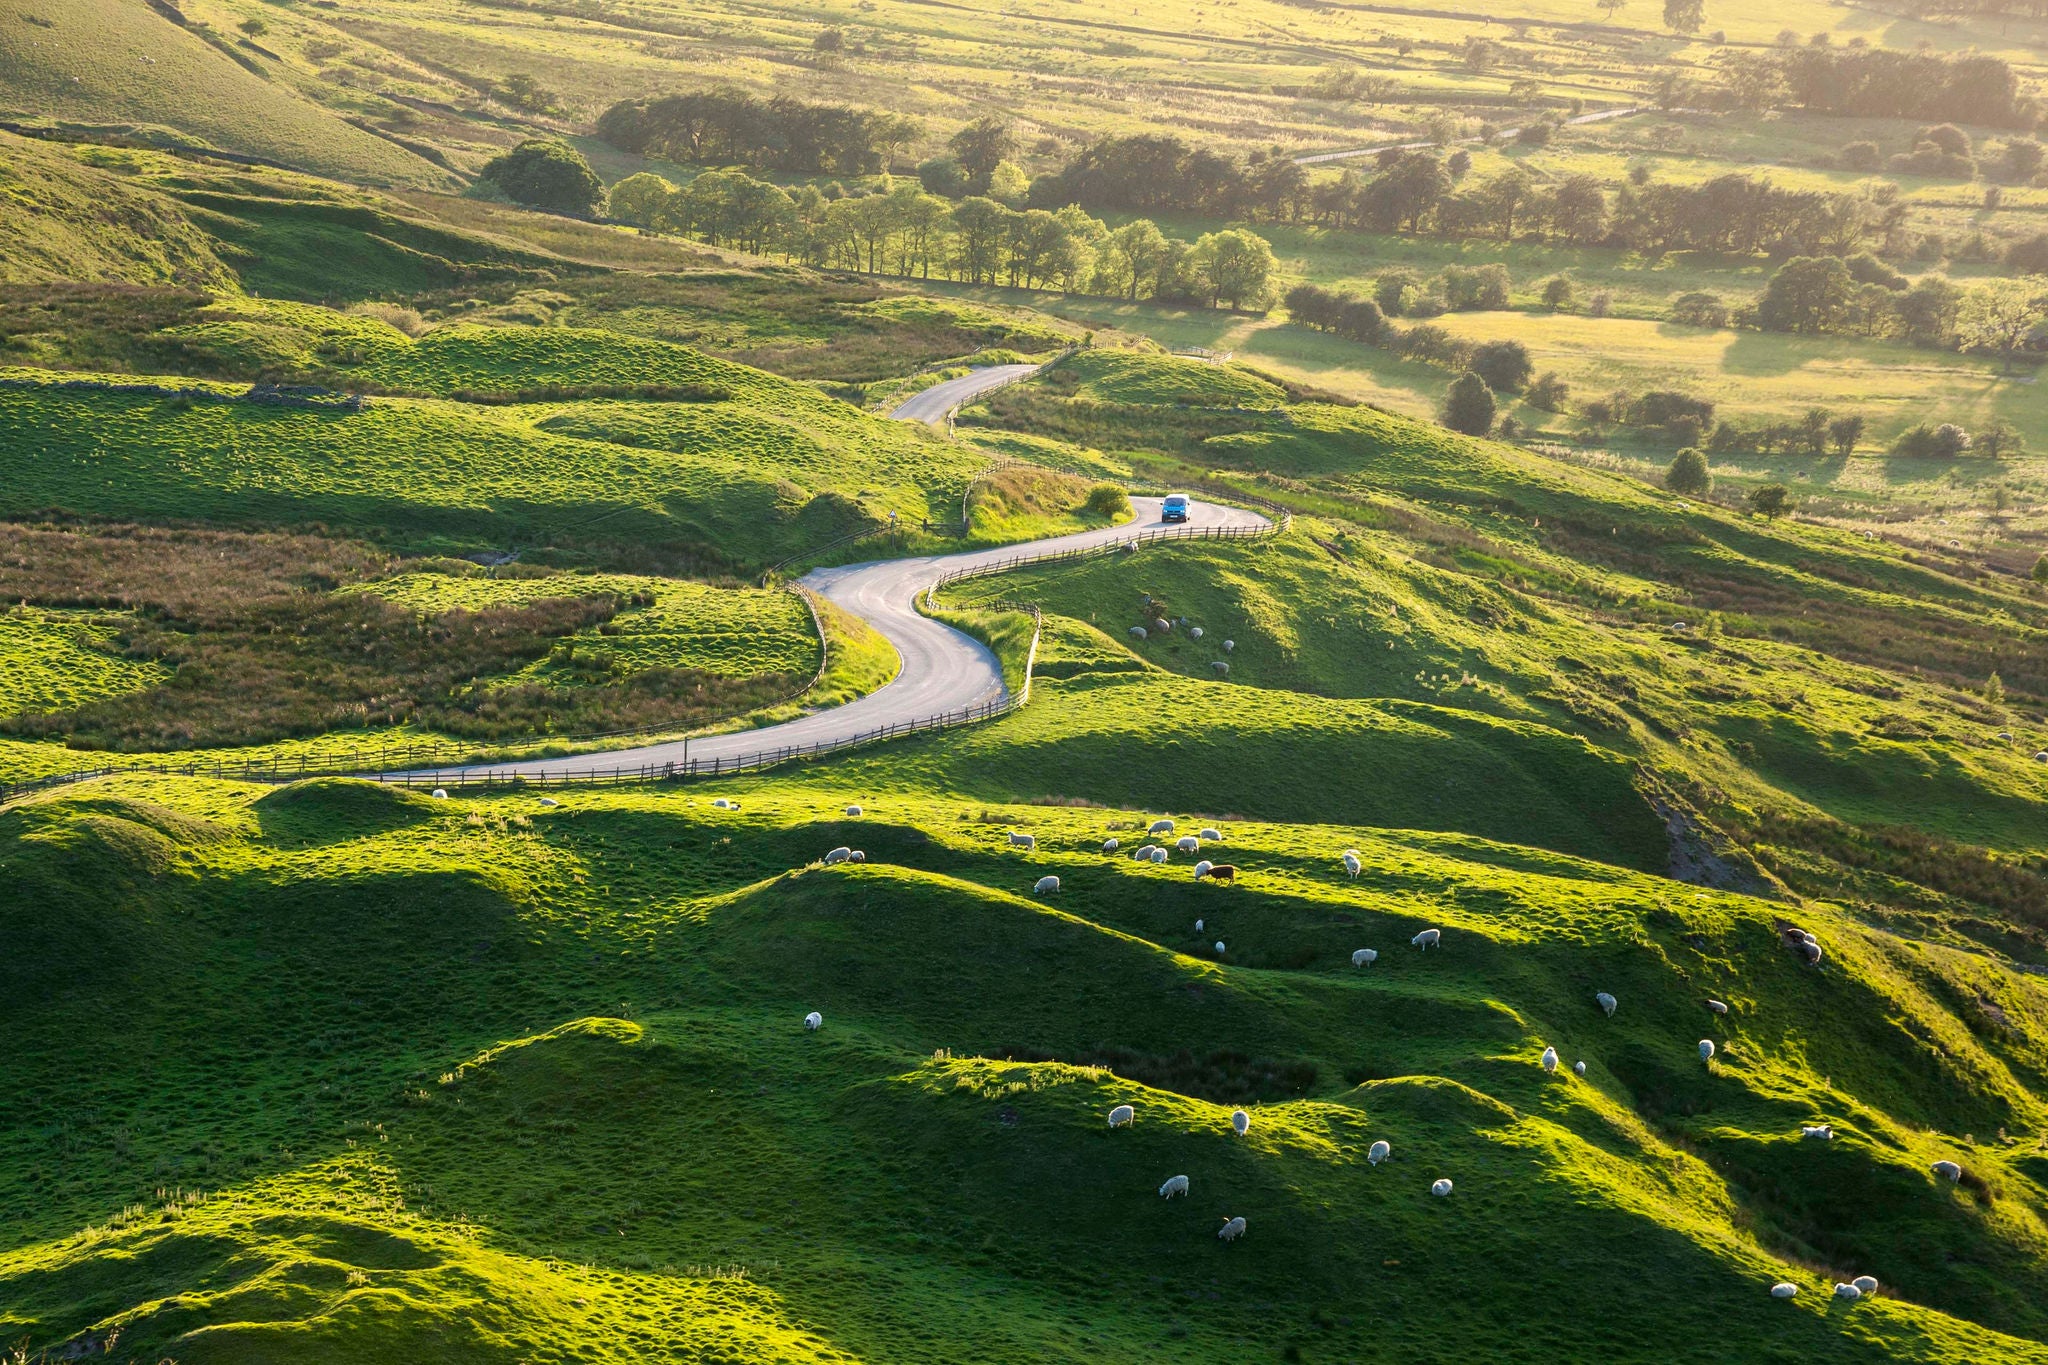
x=460, y=1133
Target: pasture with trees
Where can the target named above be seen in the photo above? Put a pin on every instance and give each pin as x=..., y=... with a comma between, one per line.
x=1577, y=782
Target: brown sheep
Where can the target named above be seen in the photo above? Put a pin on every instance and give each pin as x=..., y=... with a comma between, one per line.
x=1223, y=872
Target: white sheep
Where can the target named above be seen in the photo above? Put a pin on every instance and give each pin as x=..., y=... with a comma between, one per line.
x=1549, y=1061
x=1784, y=1289
x=1579, y=1069
x=1219, y=947
x=1848, y=1291
x=857, y=856
x=1717, y=1006
x=1352, y=865
x=838, y=856
x=1138, y=632
x=1866, y=1285
x=549, y=802
x=1109, y=845
x=1122, y=1116
x=814, y=1021
x=1175, y=1185
x=1440, y=1188
x=1198, y=926
x=1948, y=1170
x=440, y=793
x=1221, y=669
x=1158, y=855
x=853, y=810
x=1142, y=855
x=1046, y=886
x=1240, y=1122
x=1195, y=633
x=1202, y=869
x=1379, y=1152
x=1188, y=843
x=1606, y=1002
x=1427, y=939
x=721, y=804
x=1810, y=950
x=1365, y=957
x=1211, y=833
x=1229, y=645
x=1818, y=1132
x=1706, y=1049
x=1161, y=827
x=1232, y=1230
x=1023, y=840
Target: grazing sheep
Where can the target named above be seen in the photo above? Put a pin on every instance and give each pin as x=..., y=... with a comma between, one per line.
x=1240, y=1122
x=1352, y=865
x=1198, y=926
x=1811, y=952
x=1223, y=872
x=549, y=802
x=1549, y=1061
x=1158, y=855
x=721, y=804
x=1122, y=1116
x=1142, y=855
x=1229, y=645
x=1046, y=886
x=1138, y=632
x=1865, y=1284
x=1175, y=1185
x=1818, y=1132
x=1109, y=845
x=1427, y=939
x=1162, y=625
x=1948, y=1170
x=1188, y=843
x=1440, y=1188
x=1211, y=833
x=814, y=1021
x=1848, y=1291
x=1706, y=1049
x=1219, y=947
x=1023, y=840
x=1379, y=1152
x=1717, y=1007
x=838, y=856
x=1202, y=869
x=440, y=793
x=1222, y=669
x=1161, y=827
x=1606, y=1002
x=1194, y=632
x=853, y=810
x=1232, y=1230
x=857, y=856
x=1784, y=1290
x=1579, y=1069
x=1364, y=957
x=2041, y=757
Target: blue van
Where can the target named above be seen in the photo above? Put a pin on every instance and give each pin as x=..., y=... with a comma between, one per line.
x=1175, y=508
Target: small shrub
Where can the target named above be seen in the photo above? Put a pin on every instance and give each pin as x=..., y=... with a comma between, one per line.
x=1469, y=405
x=1504, y=365
x=1689, y=473
x=1107, y=500
x=1549, y=392
x=1860, y=156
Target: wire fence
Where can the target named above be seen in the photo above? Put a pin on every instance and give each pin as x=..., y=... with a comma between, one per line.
x=445, y=764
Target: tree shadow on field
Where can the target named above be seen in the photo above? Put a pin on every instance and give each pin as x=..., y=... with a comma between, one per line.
x=1765, y=353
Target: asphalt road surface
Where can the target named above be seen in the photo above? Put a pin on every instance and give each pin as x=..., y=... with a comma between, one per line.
x=935, y=403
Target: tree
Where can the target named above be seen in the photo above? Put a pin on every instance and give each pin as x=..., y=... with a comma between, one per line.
x=1235, y=266
x=1134, y=252
x=546, y=173
x=1008, y=184
x=1578, y=210
x=2023, y=157
x=1608, y=7
x=2040, y=573
x=2001, y=314
x=1689, y=473
x=522, y=91
x=1505, y=196
x=1558, y=293
x=1807, y=294
x=1771, y=501
x=645, y=200
x=1684, y=16
x=2000, y=440
x=1844, y=432
x=1504, y=365
x=1468, y=405
x=1549, y=392
x=830, y=42
x=982, y=146
x=255, y=28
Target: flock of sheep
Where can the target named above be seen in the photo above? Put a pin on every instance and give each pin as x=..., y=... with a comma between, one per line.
x=1123, y=1115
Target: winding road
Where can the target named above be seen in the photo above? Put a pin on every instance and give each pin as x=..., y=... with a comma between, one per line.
x=943, y=670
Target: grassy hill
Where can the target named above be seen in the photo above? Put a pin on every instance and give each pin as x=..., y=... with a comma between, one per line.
x=129, y=67
x=580, y=1091
x=67, y=221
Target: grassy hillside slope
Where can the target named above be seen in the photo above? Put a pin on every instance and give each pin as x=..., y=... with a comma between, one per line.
x=63, y=220
x=104, y=63
x=579, y=1091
